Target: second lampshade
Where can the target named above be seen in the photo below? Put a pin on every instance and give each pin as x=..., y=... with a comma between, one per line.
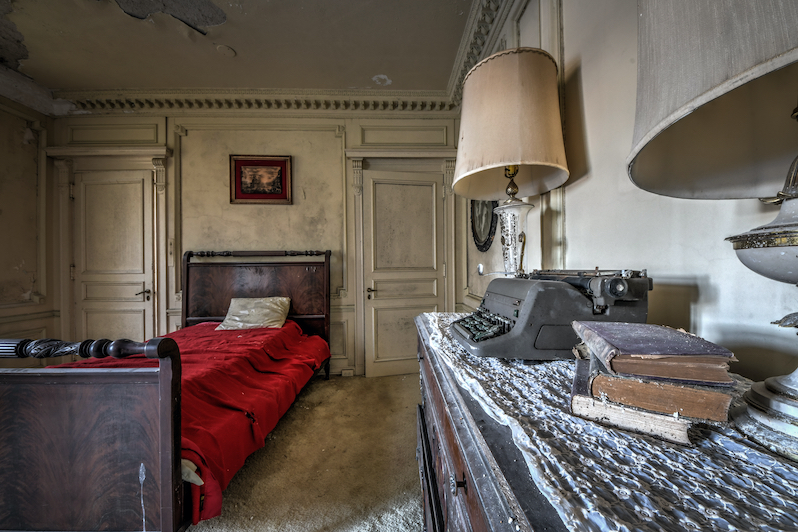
x=510, y=116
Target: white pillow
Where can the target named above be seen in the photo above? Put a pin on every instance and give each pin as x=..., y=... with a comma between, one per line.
x=255, y=312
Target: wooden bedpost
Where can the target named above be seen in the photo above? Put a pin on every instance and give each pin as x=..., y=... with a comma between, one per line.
x=93, y=449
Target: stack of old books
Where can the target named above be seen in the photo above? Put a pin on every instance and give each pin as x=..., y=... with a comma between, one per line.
x=650, y=379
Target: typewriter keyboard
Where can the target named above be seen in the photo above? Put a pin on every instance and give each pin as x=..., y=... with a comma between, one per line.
x=481, y=325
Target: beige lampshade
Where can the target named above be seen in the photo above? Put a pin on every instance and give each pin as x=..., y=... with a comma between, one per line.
x=717, y=81
x=510, y=116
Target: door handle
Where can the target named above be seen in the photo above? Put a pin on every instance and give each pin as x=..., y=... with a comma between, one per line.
x=370, y=291
x=147, y=291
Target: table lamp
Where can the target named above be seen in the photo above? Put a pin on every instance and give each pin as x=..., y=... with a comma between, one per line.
x=716, y=84
x=511, y=141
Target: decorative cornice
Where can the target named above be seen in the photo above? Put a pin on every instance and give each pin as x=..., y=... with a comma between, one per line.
x=478, y=41
x=255, y=100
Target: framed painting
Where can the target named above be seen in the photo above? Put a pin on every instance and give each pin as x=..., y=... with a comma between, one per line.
x=260, y=179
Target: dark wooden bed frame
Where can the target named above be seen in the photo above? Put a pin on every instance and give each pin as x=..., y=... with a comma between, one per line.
x=99, y=449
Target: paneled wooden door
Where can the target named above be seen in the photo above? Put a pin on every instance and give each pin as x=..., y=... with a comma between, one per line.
x=403, y=245
x=113, y=256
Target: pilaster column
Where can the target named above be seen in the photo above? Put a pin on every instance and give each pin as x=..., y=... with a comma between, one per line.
x=66, y=262
x=448, y=177
x=357, y=176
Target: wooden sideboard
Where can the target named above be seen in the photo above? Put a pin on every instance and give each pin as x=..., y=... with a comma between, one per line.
x=472, y=474
x=483, y=475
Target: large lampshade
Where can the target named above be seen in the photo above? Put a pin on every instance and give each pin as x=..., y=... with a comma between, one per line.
x=510, y=116
x=716, y=82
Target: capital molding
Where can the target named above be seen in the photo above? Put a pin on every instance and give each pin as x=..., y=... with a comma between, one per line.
x=357, y=175
x=159, y=170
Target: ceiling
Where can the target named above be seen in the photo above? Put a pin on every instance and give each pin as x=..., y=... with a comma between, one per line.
x=74, y=46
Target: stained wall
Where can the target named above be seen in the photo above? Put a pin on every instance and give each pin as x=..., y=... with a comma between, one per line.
x=18, y=208
x=29, y=297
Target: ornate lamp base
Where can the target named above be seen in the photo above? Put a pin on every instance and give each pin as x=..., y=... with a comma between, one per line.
x=770, y=415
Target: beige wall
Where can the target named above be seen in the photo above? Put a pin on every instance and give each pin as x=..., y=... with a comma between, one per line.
x=315, y=220
x=698, y=282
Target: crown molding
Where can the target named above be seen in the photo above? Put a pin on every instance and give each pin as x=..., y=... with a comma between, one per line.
x=191, y=101
x=479, y=39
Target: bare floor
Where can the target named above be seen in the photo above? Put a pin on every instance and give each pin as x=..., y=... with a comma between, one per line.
x=341, y=459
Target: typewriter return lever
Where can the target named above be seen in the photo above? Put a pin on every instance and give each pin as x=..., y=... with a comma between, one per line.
x=481, y=271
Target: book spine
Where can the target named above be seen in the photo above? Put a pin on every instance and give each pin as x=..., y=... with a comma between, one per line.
x=663, y=398
x=582, y=378
x=678, y=380
x=657, y=425
x=596, y=344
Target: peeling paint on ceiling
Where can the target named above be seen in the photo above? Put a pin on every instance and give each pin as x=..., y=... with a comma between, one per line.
x=319, y=45
x=197, y=14
x=381, y=79
x=12, y=48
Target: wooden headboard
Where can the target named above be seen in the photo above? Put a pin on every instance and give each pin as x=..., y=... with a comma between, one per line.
x=212, y=278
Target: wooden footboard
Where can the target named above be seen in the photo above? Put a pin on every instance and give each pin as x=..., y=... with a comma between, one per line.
x=92, y=449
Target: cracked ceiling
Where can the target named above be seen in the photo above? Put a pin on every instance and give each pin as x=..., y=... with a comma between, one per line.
x=319, y=45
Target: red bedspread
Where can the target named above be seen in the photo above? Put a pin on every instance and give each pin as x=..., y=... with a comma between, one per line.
x=235, y=387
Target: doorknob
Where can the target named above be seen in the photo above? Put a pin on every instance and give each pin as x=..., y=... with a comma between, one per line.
x=147, y=291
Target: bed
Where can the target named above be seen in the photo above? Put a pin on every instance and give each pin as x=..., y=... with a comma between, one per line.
x=97, y=444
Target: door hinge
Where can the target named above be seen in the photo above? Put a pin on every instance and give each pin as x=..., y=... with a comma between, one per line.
x=71, y=272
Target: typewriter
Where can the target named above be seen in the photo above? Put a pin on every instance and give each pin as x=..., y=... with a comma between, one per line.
x=529, y=317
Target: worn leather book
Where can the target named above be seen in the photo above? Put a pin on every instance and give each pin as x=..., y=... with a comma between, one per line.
x=702, y=402
x=585, y=405
x=656, y=352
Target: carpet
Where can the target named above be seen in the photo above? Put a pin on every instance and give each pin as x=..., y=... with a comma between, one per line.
x=342, y=459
